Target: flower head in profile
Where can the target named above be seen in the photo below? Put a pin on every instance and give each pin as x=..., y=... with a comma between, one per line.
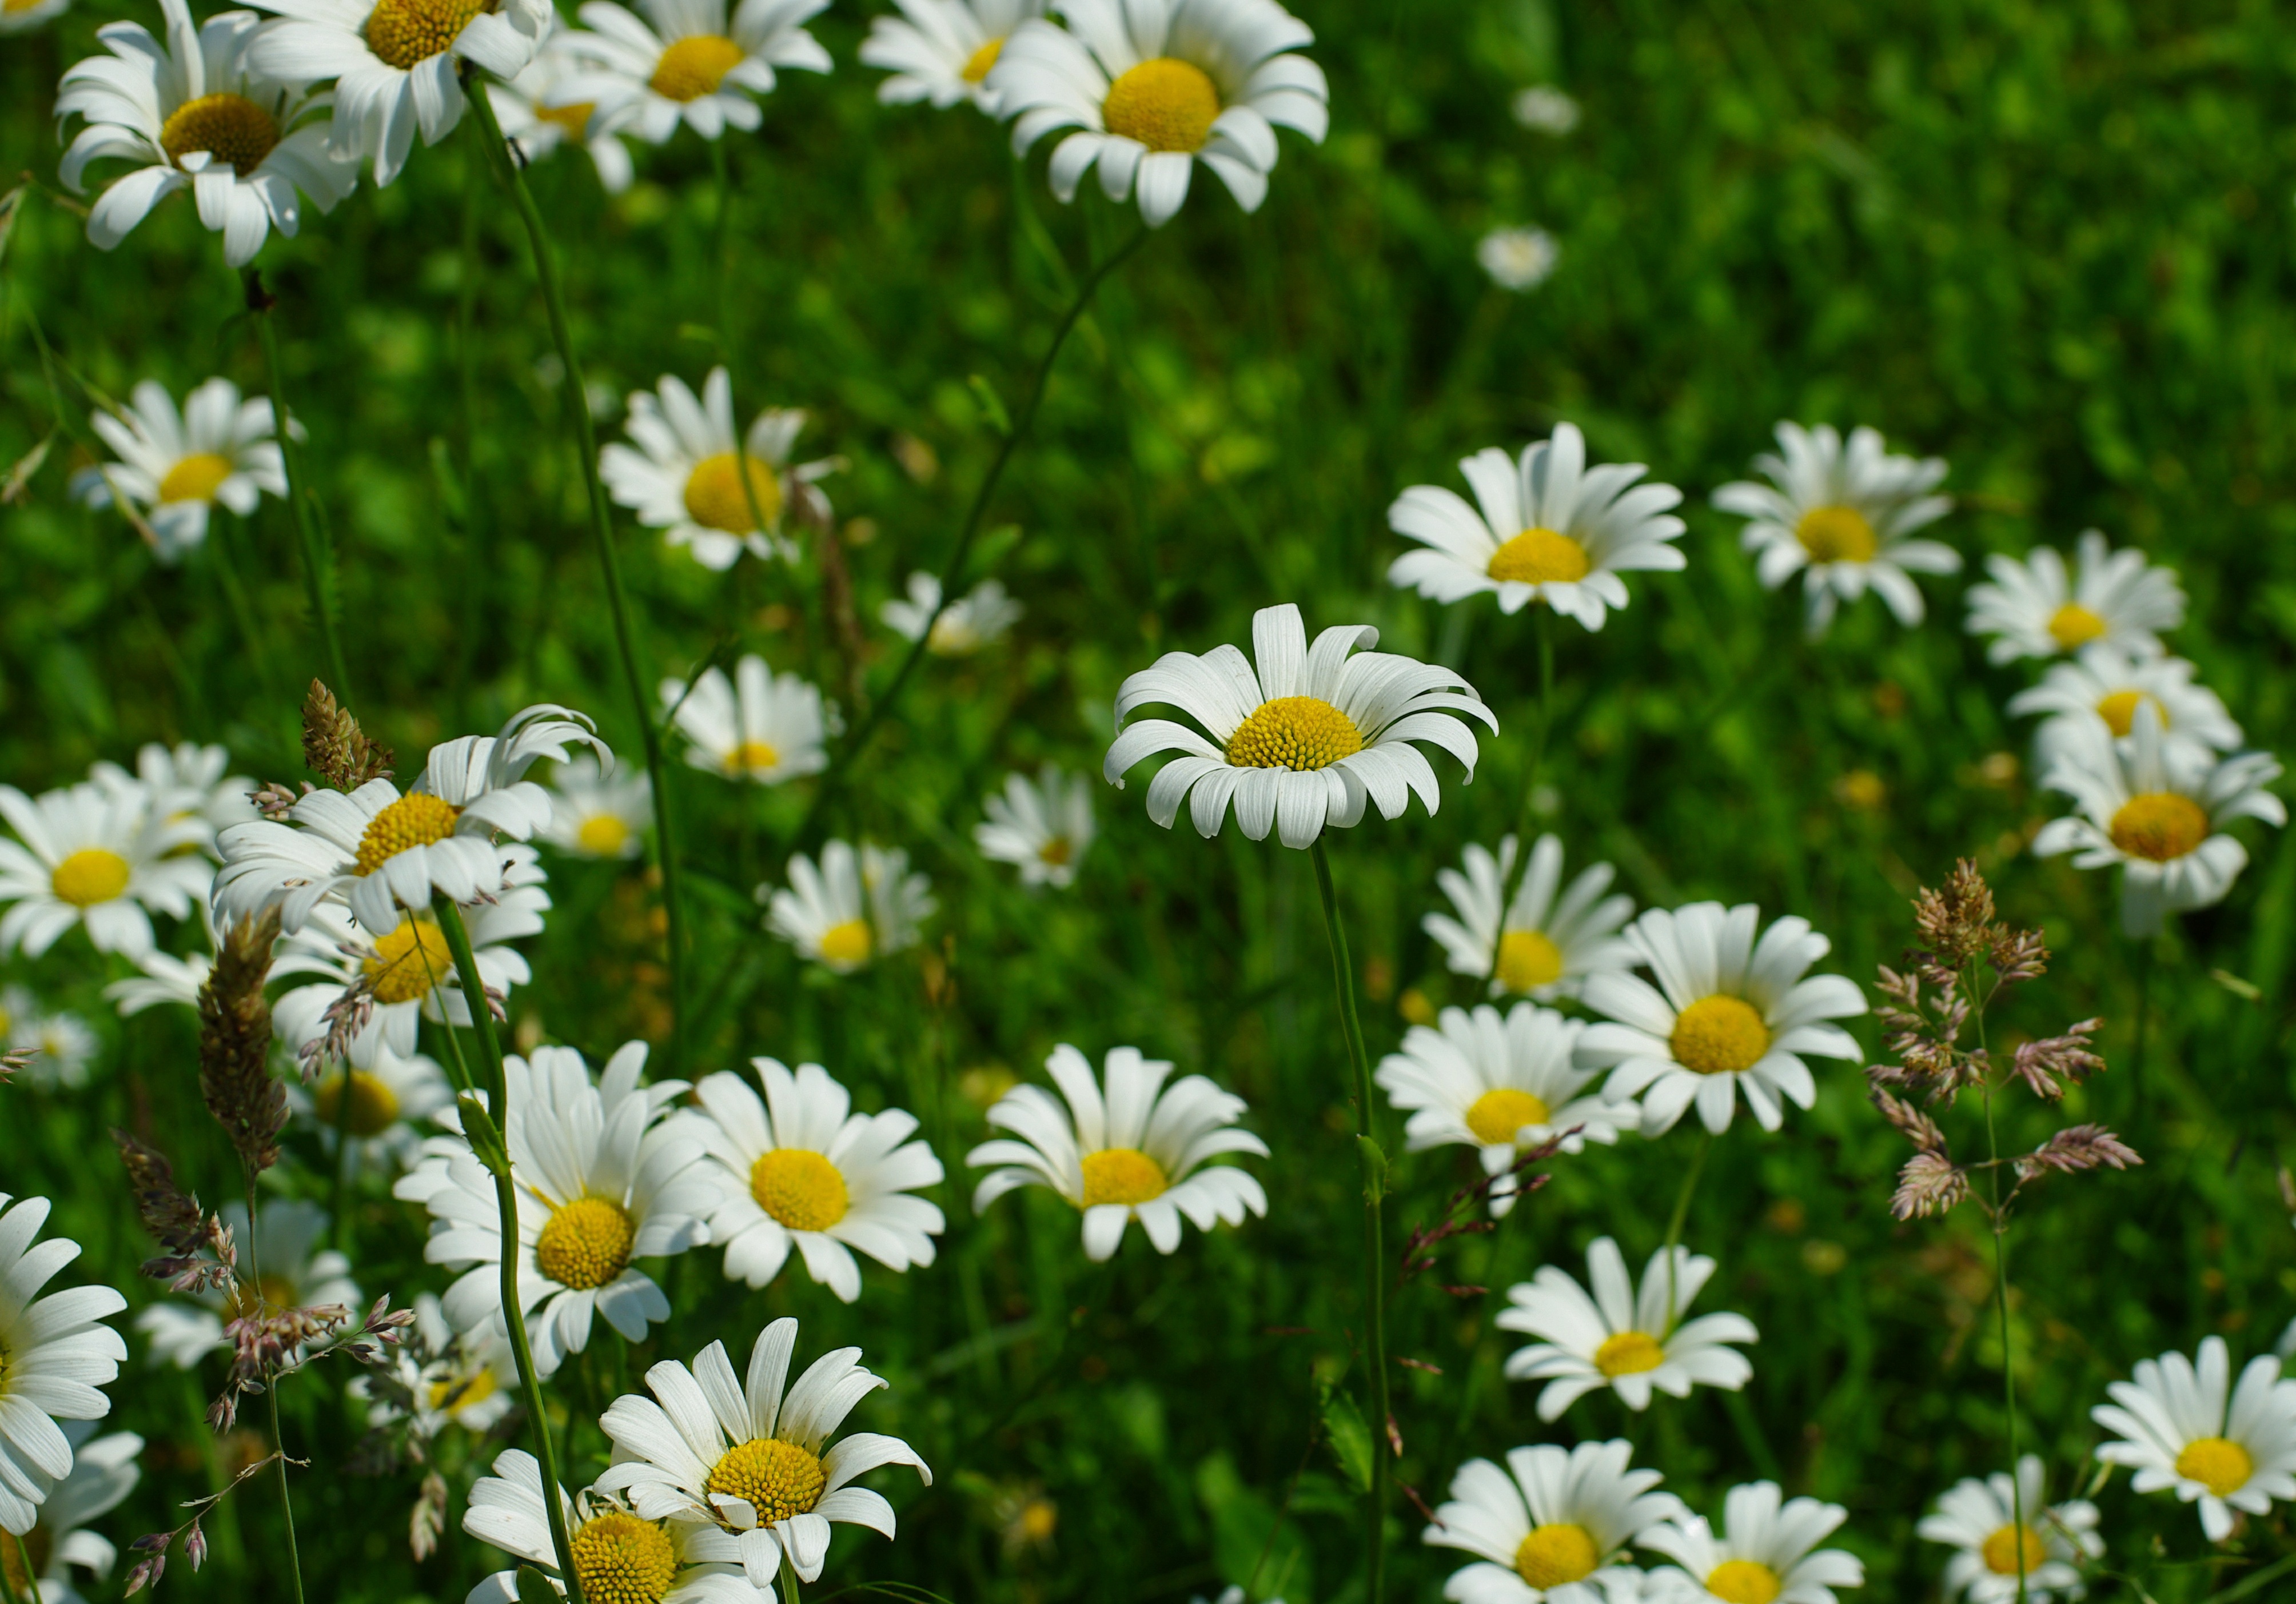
x=1041, y=826
x=853, y=909
x=1548, y=944
x=58, y=1354
x=941, y=50
x=684, y=476
x=100, y=856
x=1842, y=512
x=173, y=467
x=1133, y=1151
x=2189, y=1430
x=527, y=111
x=1552, y=1527
x=61, y=1547
x=980, y=618
x=1518, y=258
x=619, y=1554
x=2037, y=609
x=1634, y=1343
x=1299, y=743
x=758, y=726
x=1764, y=1552
x=297, y=1273
x=686, y=61
x=2104, y=685
x=1979, y=1519
x=598, y=811
x=1151, y=91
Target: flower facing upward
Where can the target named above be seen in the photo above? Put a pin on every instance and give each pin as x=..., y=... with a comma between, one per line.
x=2102, y=688
x=941, y=50
x=2035, y=609
x=855, y=908
x=598, y=812
x=104, y=1473
x=297, y=1273
x=685, y=476
x=1843, y=513
x=1133, y=1154
x=1979, y=1519
x=1303, y=742
x=173, y=467
x=100, y=856
x=56, y=1356
x=758, y=726
x=621, y=1557
x=1547, y=946
x=1518, y=258
x=2188, y=1430
x=1631, y=1344
x=61, y=1045
x=527, y=108
x=1546, y=528
x=1153, y=90
x=1763, y=1556
x=688, y=66
x=1552, y=1527
x=977, y=618
x=1042, y=827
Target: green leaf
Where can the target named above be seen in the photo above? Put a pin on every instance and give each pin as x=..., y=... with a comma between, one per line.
x=486, y=1142
x=1374, y=1168
x=534, y=1587
x=992, y=405
x=1350, y=1438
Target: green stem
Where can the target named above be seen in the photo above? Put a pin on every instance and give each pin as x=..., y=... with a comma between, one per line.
x=340, y=1218
x=7, y=1576
x=1673, y=1225
x=271, y=1394
x=1979, y=999
x=318, y=560
x=1374, y=1281
x=2143, y=1019
x=722, y=270
x=1513, y=883
x=478, y=563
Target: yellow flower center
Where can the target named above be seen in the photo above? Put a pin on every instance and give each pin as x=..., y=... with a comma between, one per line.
x=1297, y=732
x=1055, y=852
x=976, y=64
x=691, y=68
x=403, y=32
x=2073, y=624
x=2220, y=1466
x=1529, y=959
x=375, y=1107
x=232, y=128
x=1629, y=1354
x=412, y=821
x=195, y=478
x=586, y=1244
x=780, y=1479
x=1500, y=1112
x=91, y=875
x=462, y=1392
x=1038, y=1520
x=1836, y=534
x=801, y=1189
x=1124, y=1176
x=1743, y=1582
x=408, y=961
x=2160, y=825
x=269, y=1292
x=713, y=491
x=603, y=835
x=574, y=118
x=1539, y=557
x=2000, y=1550
x=1556, y=1553
x=846, y=943
x=622, y=1559
x=1165, y=103
x=753, y=758
x=2119, y=710
x=1719, y=1035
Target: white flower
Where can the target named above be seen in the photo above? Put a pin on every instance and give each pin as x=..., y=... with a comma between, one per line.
x=2034, y=608
x=1728, y=1015
x=1152, y=89
x=617, y=1554
x=596, y=811
x=739, y=1454
x=1552, y=1531
x=187, y=781
x=2179, y=1431
x=1546, y=947
x=295, y=1273
x=392, y=1097
x=979, y=618
x=852, y=909
x=688, y=67
x=1518, y=258
x=26, y=15
x=681, y=478
x=600, y=1184
x=1133, y=1155
x=173, y=469
x=2159, y=810
x=1545, y=108
x=527, y=110
x=470, y=1381
x=97, y=856
x=381, y=853
x=1302, y=742
x=1550, y=530
x=61, y=1045
x=1043, y=827
x=759, y=726
x=57, y=1356
x=1843, y=513
x=104, y=1473
x=941, y=50
x=2101, y=687
x=800, y=1168
x=1614, y=1338
x=1764, y=1553
x=1980, y=1520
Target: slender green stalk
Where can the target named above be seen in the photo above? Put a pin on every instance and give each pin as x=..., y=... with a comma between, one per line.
x=1540, y=720
x=721, y=267
x=1673, y=1225
x=1971, y=980
x=340, y=1219
x=271, y=1394
x=477, y=555
x=1374, y=1278
x=318, y=558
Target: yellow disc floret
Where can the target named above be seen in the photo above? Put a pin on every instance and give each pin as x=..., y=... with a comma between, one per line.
x=234, y=130
x=780, y=1479
x=574, y=118
x=846, y=944
x=1836, y=534
x=713, y=490
x=1743, y=1582
x=1556, y=1553
x=753, y=758
x=408, y=961
x=801, y=1189
x=622, y=1559
x=1056, y=852
x=2221, y=1466
x=1500, y=1112
x=1539, y=557
x=412, y=821
x=1296, y=732
x=375, y=1107
x=1529, y=959
x=1629, y=1354
x=195, y=478
x=2073, y=624
x=462, y=1392
x=403, y=32
x=2000, y=1552
x=603, y=835
x=2160, y=825
x=691, y=68
x=586, y=1243
x=1165, y=103
x=1719, y=1035
x=91, y=875
x=976, y=64
x=1124, y=1176
x=2119, y=710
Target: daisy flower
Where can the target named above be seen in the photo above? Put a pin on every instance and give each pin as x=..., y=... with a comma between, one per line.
x=598, y=811
x=854, y=908
x=1132, y=1155
x=1546, y=528
x=2191, y=1431
x=1631, y=1344
x=2035, y=609
x=392, y=1097
x=93, y=856
x=1546, y=108
x=1552, y=1527
x=758, y=726
x=689, y=67
x=1844, y=514
x=1979, y=1519
x=174, y=468
x=22, y=16
x=618, y=1555
x=941, y=50
x=104, y=1473
x=196, y=112
x=1302, y=742
x=2104, y=685
x=467, y=1380
x=981, y=617
x=61, y=1045
x=58, y=1357
x=600, y=1183
x=681, y=478
x=2159, y=810
x=295, y=1273
x=1500, y=1086
x=525, y=108
x=801, y=1168
x=1518, y=258
x=1153, y=90
x=1043, y=827
x=381, y=853
x=1728, y=1015
x=1547, y=947
x=1763, y=1554
x=185, y=780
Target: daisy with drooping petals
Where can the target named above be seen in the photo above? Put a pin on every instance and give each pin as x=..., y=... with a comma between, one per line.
x=1547, y=946
x=1549, y=529
x=801, y=1168
x=2189, y=1430
x=683, y=480
x=1302, y=742
x=1133, y=1154
x=57, y=1355
x=1552, y=1527
x=526, y=109
x=1728, y=1015
x=297, y=1273
x=2104, y=685
x=1979, y=1519
x=1042, y=827
x=618, y=1555
x=1153, y=90
x=1631, y=1344
x=1763, y=1554
x=99, y=857
x=175, y=468
x=751, y=1458
x=598, y=811
x=689, y=67
x=2159, y=810
x=1843, y=513
x=758, y=726
x=980, y=618
x=2034, y=608
x=941, y=50
x=853, y=909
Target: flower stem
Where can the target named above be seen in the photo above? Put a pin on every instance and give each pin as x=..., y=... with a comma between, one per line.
x=478, y=554
x=721, y=269
x=271, y=1394
x=1374, y=1282
x=318, y=557
x=339, y=1221
x=1673, y=1225
x=1538, y=727
x=2000, y=1275
x=2143, y=1019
